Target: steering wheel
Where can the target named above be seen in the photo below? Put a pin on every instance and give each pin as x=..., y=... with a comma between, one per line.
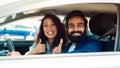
x=10, y=44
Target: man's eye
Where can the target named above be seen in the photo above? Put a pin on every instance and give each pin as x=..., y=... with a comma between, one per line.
x=70, y=26
x=80, y=25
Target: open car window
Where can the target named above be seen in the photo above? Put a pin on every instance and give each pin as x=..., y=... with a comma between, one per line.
x=23, y=27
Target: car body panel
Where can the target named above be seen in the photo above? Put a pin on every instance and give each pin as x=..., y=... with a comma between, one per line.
x=84, y=60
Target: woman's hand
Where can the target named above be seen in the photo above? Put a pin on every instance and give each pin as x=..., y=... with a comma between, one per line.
x=58, y=49
x=39, y=48
x=13, y=54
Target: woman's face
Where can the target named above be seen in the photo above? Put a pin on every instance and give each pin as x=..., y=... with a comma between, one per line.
x=49, y=28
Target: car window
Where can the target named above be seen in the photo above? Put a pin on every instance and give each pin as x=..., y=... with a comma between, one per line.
x=23, y=26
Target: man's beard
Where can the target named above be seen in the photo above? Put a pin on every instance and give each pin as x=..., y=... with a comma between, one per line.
x=76, y=39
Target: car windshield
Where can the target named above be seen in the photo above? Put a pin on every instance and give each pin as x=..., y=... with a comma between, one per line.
x=22, y=29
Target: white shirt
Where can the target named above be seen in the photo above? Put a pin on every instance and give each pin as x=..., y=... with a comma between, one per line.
x=72, y=47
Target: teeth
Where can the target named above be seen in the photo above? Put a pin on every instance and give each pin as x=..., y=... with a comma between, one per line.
x=76, y=34
x=50, y=32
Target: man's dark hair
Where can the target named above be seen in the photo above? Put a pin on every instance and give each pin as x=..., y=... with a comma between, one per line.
x=73, y=14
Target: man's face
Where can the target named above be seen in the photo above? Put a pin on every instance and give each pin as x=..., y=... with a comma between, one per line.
x=76, y=29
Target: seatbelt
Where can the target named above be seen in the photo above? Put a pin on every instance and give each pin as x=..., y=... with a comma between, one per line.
x=110, y=32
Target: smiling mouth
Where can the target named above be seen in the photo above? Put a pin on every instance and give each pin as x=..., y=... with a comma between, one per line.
x=76, y=34
x=50, y=33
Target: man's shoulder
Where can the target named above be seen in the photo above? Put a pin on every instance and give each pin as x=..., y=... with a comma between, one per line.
x=91, y=39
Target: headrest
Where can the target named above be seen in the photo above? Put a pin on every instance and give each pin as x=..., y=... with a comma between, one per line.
x=101, y=23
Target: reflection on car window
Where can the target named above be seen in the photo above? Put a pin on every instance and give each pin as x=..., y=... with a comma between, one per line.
x=21, y=26
x=21, y=29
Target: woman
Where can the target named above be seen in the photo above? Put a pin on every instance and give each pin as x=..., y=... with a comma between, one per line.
x=51, y=36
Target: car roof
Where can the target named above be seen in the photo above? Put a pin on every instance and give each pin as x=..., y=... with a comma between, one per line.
x=20, y=6
x=60, y=8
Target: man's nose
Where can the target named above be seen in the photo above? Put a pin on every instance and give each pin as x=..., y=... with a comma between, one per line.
x=75, y=28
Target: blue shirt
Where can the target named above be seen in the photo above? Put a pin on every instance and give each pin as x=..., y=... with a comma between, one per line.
x=85, y=45
x=47, y=50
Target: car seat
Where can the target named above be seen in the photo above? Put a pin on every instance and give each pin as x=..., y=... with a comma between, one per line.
x=103, y=25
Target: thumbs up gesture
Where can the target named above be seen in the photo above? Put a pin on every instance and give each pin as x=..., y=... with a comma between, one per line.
x=58, y=49
x=39, y=48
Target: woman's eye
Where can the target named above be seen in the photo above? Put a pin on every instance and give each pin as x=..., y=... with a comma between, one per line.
x=45, y=25
x=53, y=24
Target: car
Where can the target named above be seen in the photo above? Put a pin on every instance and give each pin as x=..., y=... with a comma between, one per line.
x=103, y=19
x=15, y=30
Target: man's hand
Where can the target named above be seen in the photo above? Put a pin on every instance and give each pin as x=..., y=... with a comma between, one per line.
x=39, y=48
x=58, y=48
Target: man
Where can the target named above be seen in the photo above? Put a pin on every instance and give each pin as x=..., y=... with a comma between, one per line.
x=76, y=26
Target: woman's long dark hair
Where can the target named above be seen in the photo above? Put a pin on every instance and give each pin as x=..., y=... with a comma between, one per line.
x=61, y=33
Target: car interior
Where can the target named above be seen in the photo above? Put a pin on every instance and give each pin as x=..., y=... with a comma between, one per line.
x=102, y=19
x=105, y=28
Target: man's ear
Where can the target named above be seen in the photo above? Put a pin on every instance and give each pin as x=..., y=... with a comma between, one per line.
x=86, y=28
